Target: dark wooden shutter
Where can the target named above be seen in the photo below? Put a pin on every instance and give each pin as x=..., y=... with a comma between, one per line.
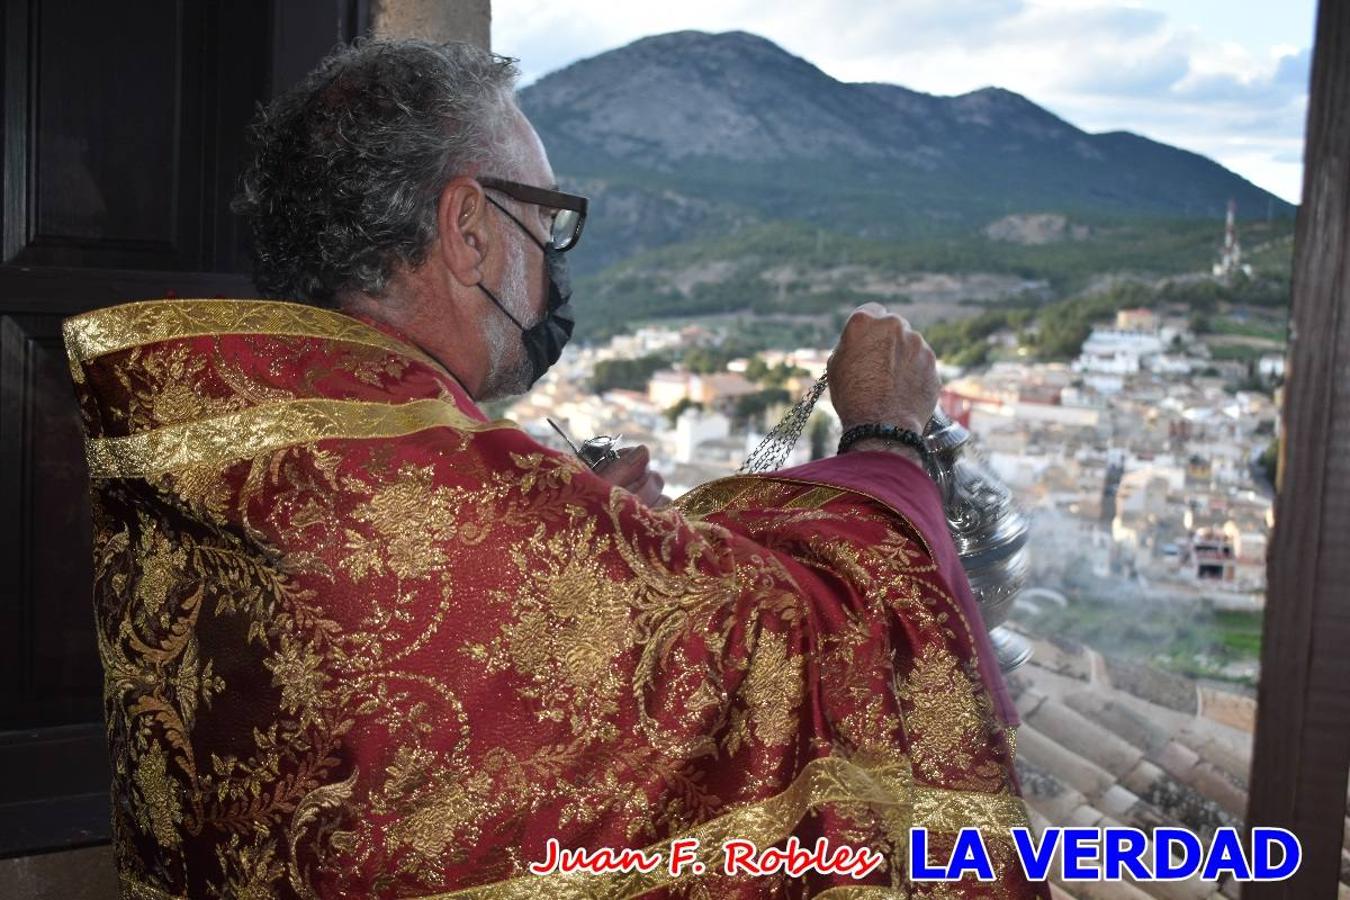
x=123, y=136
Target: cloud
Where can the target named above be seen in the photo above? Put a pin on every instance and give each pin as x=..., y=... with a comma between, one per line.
x=1294, y=69
x=1283, y=83
x=1102, y=64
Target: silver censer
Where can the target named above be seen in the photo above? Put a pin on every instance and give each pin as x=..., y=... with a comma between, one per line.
x=989, y=530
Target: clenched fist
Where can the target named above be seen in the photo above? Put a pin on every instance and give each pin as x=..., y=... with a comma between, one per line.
x=882, y=371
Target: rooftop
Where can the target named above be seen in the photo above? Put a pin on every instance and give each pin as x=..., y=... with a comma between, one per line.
x=1106, y=741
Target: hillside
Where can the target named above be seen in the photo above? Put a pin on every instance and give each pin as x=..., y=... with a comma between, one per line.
x=809, y=276
x=691, y=135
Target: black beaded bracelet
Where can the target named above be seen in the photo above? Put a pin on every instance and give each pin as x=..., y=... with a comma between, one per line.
x=905, y=436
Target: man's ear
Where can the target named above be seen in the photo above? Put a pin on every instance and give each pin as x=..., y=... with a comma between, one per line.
x=463, y=234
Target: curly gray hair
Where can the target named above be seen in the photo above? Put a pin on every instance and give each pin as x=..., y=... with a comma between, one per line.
x=350, y=163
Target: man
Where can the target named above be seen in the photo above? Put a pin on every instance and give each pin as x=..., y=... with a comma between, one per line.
x=359, y=640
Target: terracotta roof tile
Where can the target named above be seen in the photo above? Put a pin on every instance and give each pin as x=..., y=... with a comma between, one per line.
x=1154, y=685
x=1226, y=755
x=1177, y=760
x=1212, y=782
x=1143, y=732
x=1084, y=737
x=1106, y=742
x=1119, y=802
x=1087, y=777
x=1046, y=793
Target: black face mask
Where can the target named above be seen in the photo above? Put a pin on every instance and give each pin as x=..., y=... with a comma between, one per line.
x=545, y=339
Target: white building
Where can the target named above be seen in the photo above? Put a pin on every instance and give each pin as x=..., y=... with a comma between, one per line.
x=1270, y=366
x=668, y=387
x=693, y=428
x=1103, y=383
x=1167, y=364
x=1115, y=351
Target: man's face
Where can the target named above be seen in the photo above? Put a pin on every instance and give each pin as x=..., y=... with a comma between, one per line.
x=521, y=282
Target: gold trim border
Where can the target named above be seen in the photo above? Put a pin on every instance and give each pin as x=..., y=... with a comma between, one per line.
x=722, y=492
x=108, y=330
x=261, y=429
x=136, y=890
x=829, y=779
x=930, y=891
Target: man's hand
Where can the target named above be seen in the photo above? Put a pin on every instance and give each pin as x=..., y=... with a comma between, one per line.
x=882, y=371
x=630, y=472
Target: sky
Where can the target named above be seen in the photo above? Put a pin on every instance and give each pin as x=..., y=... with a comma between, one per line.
x=1225, y=78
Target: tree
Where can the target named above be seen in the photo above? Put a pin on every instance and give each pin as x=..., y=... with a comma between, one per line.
x=710, y=360
x=819, y=433
x=1270, y=460
x=779, y=375
x=756, y=369
x=974, y=355
x=626, y=374
x=748, y=406
x=675, y=411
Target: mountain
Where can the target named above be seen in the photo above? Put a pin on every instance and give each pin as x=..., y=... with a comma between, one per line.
x=688, y=135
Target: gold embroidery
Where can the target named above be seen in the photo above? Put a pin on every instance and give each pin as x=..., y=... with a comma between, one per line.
x=345, y=593
x=297, y=668
x=201, y=488
x=828, y=780
x=716, y=496
x=243, y=435
x=427, y=831
x=567, y=627
x=134, y=889
x=93, y=334
x=161, y=813
x=164, y=391
x=773, y=690
x=250, y=870
x=307, y=812
x=945, y=717
x=441, y=816
x=814, y=498
x=162, y=565
x=753, y=491
x=956, y=891
x=412, y=521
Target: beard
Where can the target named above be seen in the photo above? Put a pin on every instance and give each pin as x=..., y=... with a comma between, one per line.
x=509, y=373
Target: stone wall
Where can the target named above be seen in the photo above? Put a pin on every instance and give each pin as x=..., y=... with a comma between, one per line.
x=435, y=20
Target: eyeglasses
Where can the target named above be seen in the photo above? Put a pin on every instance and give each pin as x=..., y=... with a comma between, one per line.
x=570, y=209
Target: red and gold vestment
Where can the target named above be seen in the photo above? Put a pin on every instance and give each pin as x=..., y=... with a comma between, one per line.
x=359, y=640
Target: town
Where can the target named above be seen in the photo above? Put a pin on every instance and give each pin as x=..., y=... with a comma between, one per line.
x=1143, y=463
